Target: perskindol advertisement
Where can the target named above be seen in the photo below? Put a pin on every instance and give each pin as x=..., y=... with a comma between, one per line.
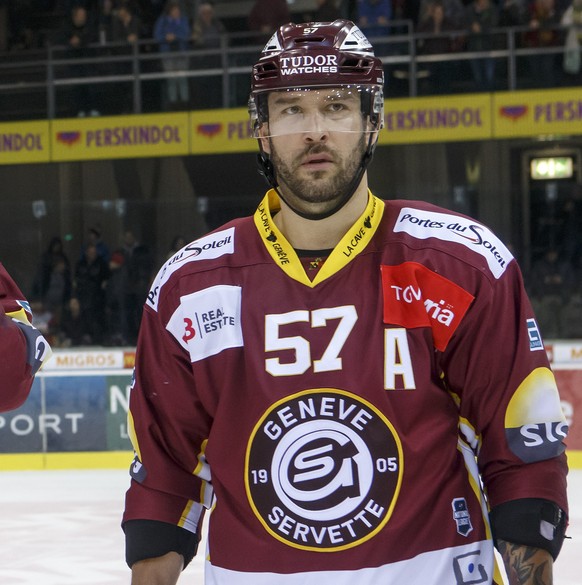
x=502, y=115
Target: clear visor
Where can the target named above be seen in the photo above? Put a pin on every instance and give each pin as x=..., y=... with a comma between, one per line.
x=300, y=111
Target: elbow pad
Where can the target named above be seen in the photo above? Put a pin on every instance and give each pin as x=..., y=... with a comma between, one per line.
x=532, y=522
x=148, y=539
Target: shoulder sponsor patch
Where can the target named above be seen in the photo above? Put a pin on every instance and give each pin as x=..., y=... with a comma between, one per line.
x=452, y=228
x=211, y=246
x=415, y=296
x=535, y=425
x=535, y=338
x=208, y=321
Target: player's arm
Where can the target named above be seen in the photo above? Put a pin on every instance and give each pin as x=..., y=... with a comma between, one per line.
x=528, y=534
x=526, y=565
x=23, y=349
x=164, y=570
x=157, y=552
x=16, y=379
x=169, y=426
x=525, y=480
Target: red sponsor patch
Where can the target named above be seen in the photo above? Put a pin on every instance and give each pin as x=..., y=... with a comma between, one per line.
x=415, y=296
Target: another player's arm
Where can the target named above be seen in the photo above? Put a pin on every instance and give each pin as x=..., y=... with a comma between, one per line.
x=23, y=349
x=164, y=570
x=526, y=565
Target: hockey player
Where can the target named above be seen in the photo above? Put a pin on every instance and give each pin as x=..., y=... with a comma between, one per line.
x=356, y=389
x=23, y=349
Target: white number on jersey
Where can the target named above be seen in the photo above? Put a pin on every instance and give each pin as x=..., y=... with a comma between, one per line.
x=329, y=361
x=397, y=359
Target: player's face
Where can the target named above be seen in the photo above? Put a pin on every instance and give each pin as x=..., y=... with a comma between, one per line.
x=316, y=140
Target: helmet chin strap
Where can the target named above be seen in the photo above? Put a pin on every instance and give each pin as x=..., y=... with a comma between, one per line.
x=267, y=169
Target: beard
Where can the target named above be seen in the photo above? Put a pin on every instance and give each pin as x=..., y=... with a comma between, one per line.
x=319, y=187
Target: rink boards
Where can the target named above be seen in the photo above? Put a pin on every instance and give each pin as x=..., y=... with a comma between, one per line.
x=76, y=414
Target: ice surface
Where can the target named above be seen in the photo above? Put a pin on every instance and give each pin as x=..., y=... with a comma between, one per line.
x=62, y=528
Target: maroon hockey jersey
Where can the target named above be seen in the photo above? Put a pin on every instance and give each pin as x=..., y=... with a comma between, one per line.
x=353, y=428
x=22, y=348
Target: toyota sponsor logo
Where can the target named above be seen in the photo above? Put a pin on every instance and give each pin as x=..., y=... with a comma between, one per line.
x=415, y=296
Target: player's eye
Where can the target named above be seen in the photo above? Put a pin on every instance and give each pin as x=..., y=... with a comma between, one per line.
x=291, y=110
x=335, y=107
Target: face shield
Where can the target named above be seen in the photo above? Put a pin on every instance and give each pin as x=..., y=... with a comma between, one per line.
x=328, y=110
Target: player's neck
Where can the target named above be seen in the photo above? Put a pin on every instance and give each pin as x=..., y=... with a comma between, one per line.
x=325, y=233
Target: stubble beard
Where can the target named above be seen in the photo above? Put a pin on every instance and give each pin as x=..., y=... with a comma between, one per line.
x=316, y=188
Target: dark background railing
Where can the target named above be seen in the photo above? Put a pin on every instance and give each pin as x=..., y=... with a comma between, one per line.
x=122, y=78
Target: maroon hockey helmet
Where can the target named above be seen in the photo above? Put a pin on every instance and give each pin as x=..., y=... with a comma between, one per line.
x=318, y=55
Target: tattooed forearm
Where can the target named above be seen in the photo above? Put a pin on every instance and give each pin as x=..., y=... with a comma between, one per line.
x=526, y=565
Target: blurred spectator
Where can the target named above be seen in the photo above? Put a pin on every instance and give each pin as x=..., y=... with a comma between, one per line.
x=79, y=31
x=572, y=18
x=551, y=276
x=94, y=238
x=267, y=15
x=115, y=296
x=327, y=11
x=207, y=32
x=207, y=29
x=482, y=17
x=53, y=255
x=126, y=25
x=140, y=265
x=126, y=29
x=91, y=274
x=19, y=24
x=551, y=284
x=78, y=34
x=172, y=32
x=374, y=17
x=513, y=13
x=58, y=292
x=455, y=12
x=74, y=329
x=543, y=19
x=42, y=319
x=571, y=235
x=177, y=244
x=436, y=23
x=104, y=20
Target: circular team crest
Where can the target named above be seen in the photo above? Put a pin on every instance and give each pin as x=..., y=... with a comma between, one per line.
x=323, y=470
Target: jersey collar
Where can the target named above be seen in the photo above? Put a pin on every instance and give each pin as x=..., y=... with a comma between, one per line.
x=354, y=241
